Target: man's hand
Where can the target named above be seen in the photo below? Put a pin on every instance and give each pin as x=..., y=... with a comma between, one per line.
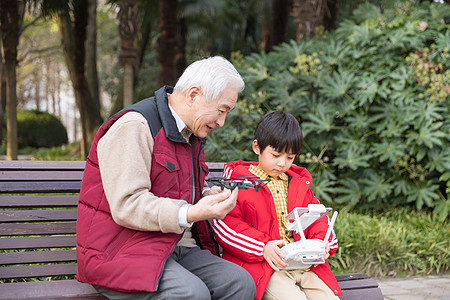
x=215, y=189
x=214, y=206
x=273, y=255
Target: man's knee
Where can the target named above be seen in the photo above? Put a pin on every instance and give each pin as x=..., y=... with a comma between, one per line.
x=194, y=290
x=241, y=285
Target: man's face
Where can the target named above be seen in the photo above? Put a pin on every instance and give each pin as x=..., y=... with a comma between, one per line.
x=272, y=161
x=207, y=115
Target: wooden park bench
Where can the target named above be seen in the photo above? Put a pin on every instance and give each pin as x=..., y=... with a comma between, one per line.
x=38, y=211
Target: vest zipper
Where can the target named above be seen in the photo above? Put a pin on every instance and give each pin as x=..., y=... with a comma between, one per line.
x=193, y=174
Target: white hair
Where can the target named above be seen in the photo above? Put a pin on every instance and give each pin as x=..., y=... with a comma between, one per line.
x=212, y=75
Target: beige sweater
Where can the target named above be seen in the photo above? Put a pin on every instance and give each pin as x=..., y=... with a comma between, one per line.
x=124, y=158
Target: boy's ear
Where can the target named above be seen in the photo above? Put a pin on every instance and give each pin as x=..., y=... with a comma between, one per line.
x=255, y=147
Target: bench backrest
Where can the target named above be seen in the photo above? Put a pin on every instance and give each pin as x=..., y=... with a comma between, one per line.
x=38, y=210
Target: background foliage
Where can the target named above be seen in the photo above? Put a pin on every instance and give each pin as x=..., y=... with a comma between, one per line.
x=373, y=101
x=40, y=129
x=399, y=242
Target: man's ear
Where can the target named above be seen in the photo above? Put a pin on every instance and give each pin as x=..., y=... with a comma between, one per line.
x=255, y=147
x=192, y=93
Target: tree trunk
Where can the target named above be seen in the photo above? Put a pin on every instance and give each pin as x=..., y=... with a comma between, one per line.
x=73, y=43
x=11, y=14
x=309, y=14
x=37, y=89
x=91, y=51
x=142, y=42
x=180, y=56
x=2, y=94
x=280, y=17
x=167, y=41
x=11, y=111
x=128, y=57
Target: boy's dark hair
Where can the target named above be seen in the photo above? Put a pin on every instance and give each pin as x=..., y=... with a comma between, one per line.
x=281, y=131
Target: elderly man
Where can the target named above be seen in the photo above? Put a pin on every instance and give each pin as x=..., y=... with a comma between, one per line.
x=142, y=230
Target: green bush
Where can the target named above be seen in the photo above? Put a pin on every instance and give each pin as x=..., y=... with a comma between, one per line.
x=40, y=129
x=396, y=243
x=373, y=101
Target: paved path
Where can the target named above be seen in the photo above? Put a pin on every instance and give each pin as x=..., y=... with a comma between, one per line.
x=433, y=287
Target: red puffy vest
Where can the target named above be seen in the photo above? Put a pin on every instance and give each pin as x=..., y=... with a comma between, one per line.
x=122, y=259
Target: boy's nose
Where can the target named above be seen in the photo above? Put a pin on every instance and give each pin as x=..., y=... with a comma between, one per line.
x=282, y=162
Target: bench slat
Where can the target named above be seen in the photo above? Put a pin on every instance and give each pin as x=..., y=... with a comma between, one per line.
x=67, y=289
x=362, y=294
x=31, y=257
x=40, y=187
x=358, y=284
x=37, y=228
x=351, y=276
x=35, y=201
x=38, y=215
x=39, y=175
x=38, y=242
x=38, y=271
x=43, y=165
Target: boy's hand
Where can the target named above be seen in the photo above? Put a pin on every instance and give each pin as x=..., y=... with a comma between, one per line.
x=273, y=255
x=327, y=253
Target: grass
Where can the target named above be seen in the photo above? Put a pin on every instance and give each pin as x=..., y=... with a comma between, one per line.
x=398, y=242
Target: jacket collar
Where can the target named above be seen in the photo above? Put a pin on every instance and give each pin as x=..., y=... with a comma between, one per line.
x=167, y=119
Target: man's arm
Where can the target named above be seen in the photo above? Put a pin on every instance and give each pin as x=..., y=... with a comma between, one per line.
x=124, y=155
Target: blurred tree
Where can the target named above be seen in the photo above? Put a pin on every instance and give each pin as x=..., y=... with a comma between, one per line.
x=91, y=50
x=2, y=94
x=278, y=32
x=11, y=16
x=167, y=41
x=128, y=57
x=147, y=18
x=310, y=14
x=73, y=22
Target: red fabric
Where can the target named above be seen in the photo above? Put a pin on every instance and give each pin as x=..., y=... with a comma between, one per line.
x=253, y=222
x=122, y=259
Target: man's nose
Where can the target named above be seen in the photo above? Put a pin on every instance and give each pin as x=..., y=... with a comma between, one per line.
x=221, y=121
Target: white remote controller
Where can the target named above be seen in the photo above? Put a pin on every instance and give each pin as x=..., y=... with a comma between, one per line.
x=305, y=253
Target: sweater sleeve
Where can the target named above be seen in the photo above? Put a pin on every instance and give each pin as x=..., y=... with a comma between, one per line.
x=124, y=157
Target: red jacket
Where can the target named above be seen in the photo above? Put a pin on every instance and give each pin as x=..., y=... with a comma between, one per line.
x=126, y=260
x=253, y=222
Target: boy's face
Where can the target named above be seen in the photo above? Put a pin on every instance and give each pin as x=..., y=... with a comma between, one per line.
x=273, y=162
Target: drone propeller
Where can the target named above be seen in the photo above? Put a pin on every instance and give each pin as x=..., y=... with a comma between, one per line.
x=241, y=182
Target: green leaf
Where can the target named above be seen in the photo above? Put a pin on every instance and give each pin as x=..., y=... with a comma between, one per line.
x=323, y=189
x=438, y=160
x=353, y=158
x=349, y=192
x=442, y=209
x=376, y=186
x=388, y=150
x=423, y=194
x=337, y=85
x=429, y=134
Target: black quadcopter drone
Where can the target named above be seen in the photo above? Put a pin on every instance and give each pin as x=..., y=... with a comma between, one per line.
x=241, y=182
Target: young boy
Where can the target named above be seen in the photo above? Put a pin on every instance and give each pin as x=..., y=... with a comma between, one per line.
x=253, y=232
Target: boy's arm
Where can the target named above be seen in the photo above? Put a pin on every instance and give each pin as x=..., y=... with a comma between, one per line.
x=318, y=229
x=238, y=238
